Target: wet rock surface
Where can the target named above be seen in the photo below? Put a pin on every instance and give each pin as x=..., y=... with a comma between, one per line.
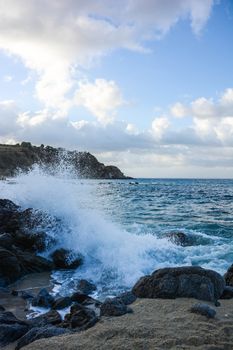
x=18, y=245
x=61, y=303
x=43, y=299
x=66, y=259
x=179, y=238
x=190, y=282
x=85, y=287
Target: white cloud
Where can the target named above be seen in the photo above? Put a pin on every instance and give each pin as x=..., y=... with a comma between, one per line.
x=162, y=150
x=101, y=98
x=159, y=127
x=178, y=110
x=54, y=38
x=203, y=108
x=8, y=115
x=227, y=97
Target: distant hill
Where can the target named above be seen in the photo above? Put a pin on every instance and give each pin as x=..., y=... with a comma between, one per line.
x=23, y=156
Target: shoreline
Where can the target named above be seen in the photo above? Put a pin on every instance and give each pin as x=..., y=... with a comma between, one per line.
x=25, y=281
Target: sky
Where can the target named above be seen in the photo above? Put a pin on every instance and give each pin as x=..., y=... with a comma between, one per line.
x=146, y=85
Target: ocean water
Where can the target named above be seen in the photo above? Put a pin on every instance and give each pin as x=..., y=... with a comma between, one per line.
x=121, y=226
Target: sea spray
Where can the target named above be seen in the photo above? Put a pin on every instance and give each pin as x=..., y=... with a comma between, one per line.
x=116, y=255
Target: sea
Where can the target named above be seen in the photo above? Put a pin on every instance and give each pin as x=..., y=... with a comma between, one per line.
x=122, y=227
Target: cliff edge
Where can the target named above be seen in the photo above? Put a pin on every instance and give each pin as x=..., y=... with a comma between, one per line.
x=23, y=156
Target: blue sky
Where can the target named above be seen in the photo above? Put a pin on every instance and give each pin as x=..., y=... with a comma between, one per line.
x=145, y=85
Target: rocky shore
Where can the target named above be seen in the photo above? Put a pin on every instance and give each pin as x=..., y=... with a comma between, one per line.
x=173, y=308
x=23, y=156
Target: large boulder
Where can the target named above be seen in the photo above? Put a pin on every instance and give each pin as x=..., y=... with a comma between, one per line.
x=188, y=281
x=229, y=276
x=66, y=259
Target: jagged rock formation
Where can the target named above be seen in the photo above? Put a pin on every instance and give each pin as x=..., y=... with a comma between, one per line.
x=23, y=156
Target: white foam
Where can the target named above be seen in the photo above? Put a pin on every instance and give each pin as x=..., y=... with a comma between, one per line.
x=111, y=253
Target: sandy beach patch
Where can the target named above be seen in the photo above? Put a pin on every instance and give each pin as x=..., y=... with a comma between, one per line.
x=154, y=324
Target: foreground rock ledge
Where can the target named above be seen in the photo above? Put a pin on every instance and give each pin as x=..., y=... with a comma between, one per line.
x=177, y=282
x=155, y=324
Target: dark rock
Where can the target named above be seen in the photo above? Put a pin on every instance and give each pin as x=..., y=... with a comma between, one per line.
x=86, y=287
x=25, y=295
x=229, y=276
x=11, y=332
x=49, y=318
x=9, y=267
x=7, y=205
x=204, y=310
x=31, y=241
x=62, y=302
x=179, y=238
x=84, y=299
x=73, y=309
x=113, y=307
x=6, y=241
x=4, y=291
x=66, y=259
x=227, y=293
x=2, y=308
x=8, y=317
x=126, y=298
x=43, y=299
x=83, y=319
x=15, y=293
x=16, y=263
x=11, y=328
x=39, y=333
x=14, y=157
x=188, y=281
x=31, y=263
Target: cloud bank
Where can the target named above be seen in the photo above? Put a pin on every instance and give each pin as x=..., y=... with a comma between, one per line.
x=58, y=40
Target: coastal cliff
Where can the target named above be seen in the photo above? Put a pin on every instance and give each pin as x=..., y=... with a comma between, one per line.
x=23, y=156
